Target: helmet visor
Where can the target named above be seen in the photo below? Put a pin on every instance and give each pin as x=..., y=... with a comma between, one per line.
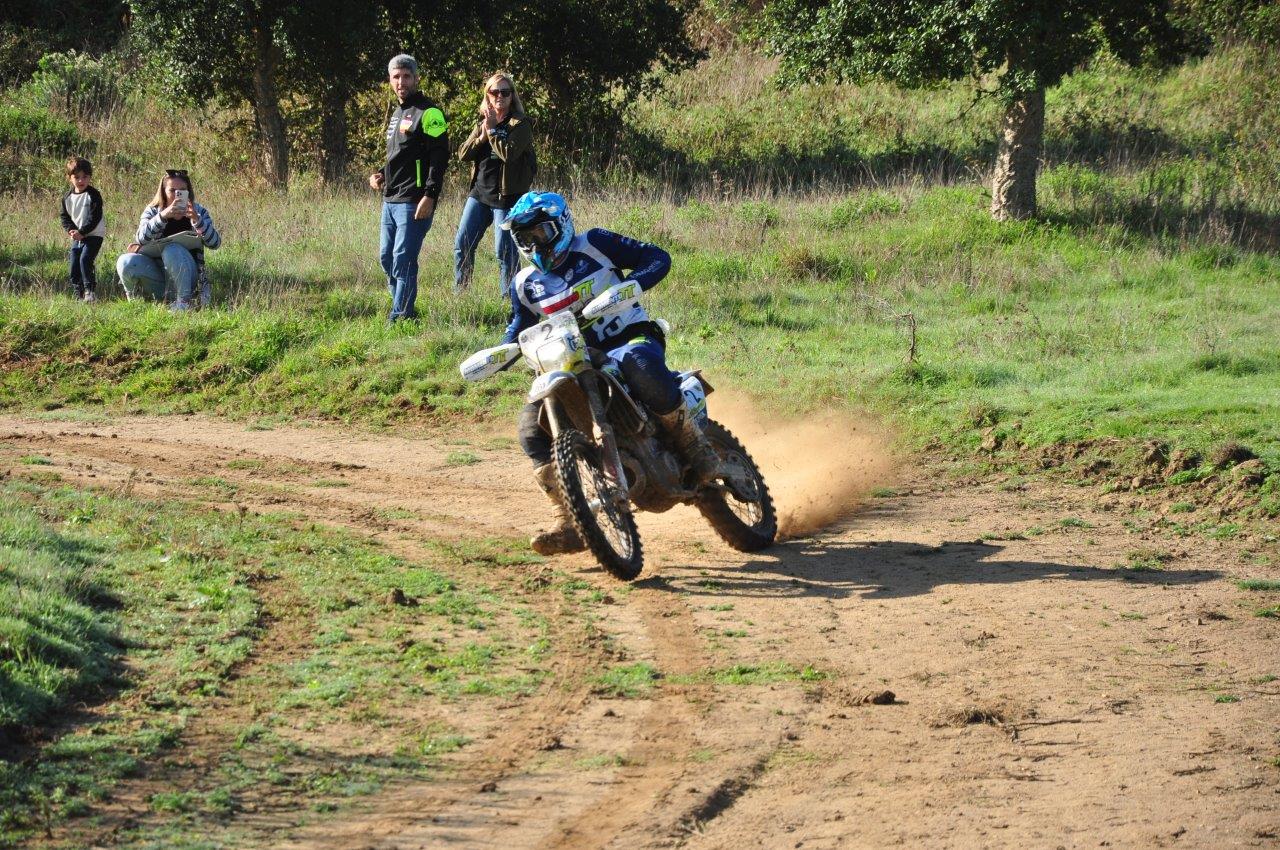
x=535, y=236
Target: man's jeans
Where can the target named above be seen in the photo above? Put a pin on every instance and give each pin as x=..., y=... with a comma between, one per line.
x=81, y=258
x=476, y=218
x=401, y=243
x=175, y=271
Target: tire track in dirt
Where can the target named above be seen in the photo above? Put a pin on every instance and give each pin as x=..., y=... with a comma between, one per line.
x=161, y=466
x=162, y=458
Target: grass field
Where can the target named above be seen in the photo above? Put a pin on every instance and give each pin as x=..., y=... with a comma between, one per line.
x=148, y=607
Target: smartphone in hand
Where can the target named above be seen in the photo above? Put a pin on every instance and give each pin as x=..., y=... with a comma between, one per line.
x=182, y=197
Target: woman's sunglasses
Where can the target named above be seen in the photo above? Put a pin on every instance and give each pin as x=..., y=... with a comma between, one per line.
x=175, y=172
x=500, y=92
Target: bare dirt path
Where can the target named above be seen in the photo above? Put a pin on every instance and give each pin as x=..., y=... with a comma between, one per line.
x=1043, y=695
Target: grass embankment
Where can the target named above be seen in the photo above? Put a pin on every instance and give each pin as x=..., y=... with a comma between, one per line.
x=158, y=607
x=1074, y=328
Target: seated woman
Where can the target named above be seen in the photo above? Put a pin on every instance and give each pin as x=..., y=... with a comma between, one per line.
x=168, y=256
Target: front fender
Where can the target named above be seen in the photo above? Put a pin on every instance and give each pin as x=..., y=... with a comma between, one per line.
x=548, y=384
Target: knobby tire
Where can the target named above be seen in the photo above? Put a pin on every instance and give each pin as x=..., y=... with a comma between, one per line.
x=572, y=446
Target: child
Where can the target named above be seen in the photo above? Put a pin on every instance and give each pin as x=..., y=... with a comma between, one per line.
x=81, y=210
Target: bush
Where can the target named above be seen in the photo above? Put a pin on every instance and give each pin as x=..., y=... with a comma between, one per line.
x=76, y=86
x=31, y=132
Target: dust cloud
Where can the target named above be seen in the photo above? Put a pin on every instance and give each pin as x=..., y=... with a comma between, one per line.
x=819, y=467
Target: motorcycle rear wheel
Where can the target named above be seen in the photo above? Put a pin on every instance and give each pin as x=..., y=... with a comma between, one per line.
x=744, y=515
x=603, y=520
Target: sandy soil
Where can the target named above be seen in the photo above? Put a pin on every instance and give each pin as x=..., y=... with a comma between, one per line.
x=1041, y=696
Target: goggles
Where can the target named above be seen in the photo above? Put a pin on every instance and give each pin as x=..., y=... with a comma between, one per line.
x=536, y=236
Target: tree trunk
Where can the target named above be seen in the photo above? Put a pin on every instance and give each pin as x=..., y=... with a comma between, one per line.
x=334, y=153
x=1013, y=183
x=274, y=144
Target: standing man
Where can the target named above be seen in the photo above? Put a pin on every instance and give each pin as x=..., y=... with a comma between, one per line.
x=417, y=151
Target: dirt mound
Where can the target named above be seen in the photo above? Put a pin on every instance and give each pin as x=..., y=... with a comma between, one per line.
x=819, y=467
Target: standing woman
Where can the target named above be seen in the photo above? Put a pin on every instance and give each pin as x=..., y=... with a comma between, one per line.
x=500, y=150
x=168, y=254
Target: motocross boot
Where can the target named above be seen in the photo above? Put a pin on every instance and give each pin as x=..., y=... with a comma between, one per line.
x=562, y=539
x=692, y=443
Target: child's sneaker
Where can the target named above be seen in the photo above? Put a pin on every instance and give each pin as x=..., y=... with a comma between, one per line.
x=89, y=297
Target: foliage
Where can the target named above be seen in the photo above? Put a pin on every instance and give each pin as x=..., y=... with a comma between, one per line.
x=1218, y=21
x=33, y=145
x=916, y=43
x=74, y=85
x=29, y=29
x=31, y=131
x=577, y=63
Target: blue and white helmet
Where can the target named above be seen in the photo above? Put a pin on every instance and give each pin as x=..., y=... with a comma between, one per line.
x=542, y=228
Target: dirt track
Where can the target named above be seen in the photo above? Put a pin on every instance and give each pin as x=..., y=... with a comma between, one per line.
x=1043, y=697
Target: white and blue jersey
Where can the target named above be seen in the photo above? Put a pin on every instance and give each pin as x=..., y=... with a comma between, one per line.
x=595, y=261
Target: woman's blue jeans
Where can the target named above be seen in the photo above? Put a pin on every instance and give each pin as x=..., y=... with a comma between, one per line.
x=175, y=271
x=401, y=242
x=476, y=218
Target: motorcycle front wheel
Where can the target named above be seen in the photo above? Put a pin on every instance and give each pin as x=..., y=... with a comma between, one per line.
x=742, y=513
x=600, y=513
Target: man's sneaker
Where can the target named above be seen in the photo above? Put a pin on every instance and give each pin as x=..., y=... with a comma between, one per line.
x=89, y=297
x=180, y=306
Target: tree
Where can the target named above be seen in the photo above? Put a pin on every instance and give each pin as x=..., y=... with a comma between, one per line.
x=229, y=51
x=1022, y=46
x=338, y=50
x=578, y=63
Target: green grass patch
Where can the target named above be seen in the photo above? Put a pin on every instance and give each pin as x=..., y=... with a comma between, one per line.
x=765, y=673
x=628, y=681
x=150, y=607
x=461, y=459
x=330, y=482
x=1267, y=584
x=602, y=761
x=1146, y=560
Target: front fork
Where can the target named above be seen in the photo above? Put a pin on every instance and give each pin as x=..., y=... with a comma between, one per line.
x=602, y=433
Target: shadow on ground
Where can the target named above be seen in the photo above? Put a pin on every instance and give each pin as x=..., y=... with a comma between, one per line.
x=891, y=569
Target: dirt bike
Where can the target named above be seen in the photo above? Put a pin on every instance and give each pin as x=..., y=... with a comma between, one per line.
x=610, y=455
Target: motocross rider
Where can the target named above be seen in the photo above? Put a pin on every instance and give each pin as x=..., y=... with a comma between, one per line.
x=569, y=270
